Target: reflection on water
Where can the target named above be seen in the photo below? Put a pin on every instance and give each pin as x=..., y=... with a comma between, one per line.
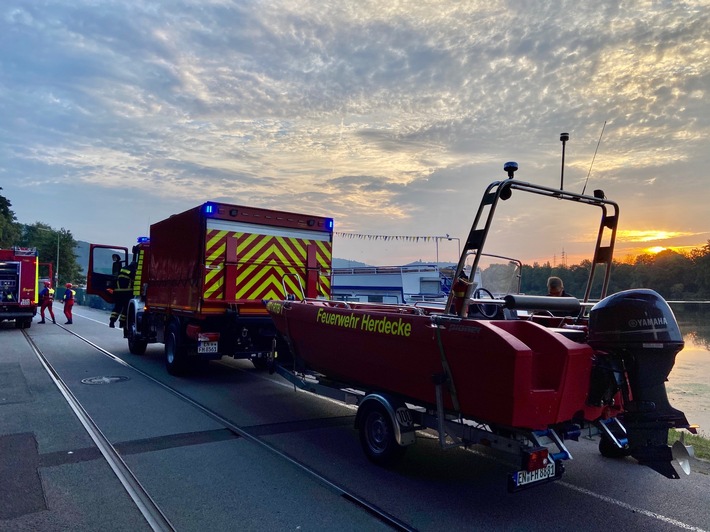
x=689, y=382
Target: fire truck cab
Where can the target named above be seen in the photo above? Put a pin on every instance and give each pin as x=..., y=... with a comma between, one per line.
x=19, y=268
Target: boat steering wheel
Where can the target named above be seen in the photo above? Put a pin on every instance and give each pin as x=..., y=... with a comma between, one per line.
x=488, y=311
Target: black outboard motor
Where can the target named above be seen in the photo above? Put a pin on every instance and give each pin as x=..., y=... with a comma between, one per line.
x=637, y=330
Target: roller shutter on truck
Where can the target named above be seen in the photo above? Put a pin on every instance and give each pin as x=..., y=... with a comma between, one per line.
x=248, y=263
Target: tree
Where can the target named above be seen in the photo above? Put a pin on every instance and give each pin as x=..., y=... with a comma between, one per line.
x=50, y=244
x=700, y=257
x=10, y=230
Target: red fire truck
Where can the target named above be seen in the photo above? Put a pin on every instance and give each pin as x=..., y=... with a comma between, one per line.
x=200, y=278
x=19, y=268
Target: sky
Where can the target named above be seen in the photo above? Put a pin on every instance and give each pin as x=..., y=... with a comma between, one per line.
x=390, y=117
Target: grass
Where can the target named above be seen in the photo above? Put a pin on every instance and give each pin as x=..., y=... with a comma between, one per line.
x=701, y=445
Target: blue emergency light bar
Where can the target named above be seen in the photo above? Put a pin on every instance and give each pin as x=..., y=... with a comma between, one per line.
x=143, y=239
x=209, y=208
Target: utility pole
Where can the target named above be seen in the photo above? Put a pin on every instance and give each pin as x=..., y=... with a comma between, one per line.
x=57, y=269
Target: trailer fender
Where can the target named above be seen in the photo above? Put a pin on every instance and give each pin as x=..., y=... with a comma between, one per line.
x=399, y=415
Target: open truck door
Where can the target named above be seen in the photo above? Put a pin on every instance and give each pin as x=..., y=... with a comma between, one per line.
x=101, y=275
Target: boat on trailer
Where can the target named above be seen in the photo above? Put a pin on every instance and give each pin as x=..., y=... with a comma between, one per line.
x=518, y=373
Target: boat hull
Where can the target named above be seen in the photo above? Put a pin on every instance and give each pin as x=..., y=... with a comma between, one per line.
x=507, y=372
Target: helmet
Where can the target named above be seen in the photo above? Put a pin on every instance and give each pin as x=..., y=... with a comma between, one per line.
x=68, y=285
x=47, y=283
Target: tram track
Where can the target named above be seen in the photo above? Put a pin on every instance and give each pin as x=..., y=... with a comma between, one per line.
x=152, y=513
x=149, y=509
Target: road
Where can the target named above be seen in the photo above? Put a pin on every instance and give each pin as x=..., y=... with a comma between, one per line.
x=297, y=465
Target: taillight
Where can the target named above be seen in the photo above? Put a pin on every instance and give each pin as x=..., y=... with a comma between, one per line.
x=535, y=458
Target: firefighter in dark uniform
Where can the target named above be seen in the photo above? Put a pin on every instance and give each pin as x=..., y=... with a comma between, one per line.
x=122, y=292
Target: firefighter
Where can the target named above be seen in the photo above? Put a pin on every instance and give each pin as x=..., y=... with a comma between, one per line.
x=47, y=298
x=122, y=292
x=117, y=265
x=68, y=299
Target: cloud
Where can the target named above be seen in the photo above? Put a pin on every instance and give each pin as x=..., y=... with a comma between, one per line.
x=382, y=115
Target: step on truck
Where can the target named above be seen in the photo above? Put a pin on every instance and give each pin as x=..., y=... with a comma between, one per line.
x=199, y=279
x=19, y=269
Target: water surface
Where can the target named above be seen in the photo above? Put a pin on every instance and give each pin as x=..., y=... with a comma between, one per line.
x=689, y=383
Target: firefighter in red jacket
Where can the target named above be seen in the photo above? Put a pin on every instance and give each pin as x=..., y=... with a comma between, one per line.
x=68, y=299
x=47, y=298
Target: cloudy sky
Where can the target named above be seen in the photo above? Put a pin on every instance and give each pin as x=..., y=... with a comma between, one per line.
x=391, y=117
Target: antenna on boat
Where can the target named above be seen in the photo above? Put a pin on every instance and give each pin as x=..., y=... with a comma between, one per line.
x=564, y=137
x=595, y=156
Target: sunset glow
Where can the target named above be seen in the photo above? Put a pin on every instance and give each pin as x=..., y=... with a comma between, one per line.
x=632, y=235
x=391, y=118
x=656, y=249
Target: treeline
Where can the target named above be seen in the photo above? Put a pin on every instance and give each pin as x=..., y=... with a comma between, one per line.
x=676, y=276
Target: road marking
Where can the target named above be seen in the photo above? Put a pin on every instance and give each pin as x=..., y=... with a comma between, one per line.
x=616, y=502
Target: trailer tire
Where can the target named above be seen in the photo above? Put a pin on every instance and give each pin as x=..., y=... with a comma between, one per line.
x=609, y=449
x=377, y=436
x=261, y=364
x=175, y=351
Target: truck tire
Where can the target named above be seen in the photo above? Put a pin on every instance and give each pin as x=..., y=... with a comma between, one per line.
x=136, y=345
x=175, y=351
x=377, y=436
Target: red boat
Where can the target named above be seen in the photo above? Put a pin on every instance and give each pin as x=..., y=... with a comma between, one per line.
x=521, y=366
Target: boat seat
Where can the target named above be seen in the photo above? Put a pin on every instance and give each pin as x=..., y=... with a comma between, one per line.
x=576, y=335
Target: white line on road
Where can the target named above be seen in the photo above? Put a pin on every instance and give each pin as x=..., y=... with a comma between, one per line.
x=610, y=500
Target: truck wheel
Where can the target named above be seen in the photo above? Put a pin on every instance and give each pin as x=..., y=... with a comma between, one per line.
x=136, y=345
x=175, y=352
x=377, y=436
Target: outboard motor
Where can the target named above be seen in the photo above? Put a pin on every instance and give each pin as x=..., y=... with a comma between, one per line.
x=637, y=331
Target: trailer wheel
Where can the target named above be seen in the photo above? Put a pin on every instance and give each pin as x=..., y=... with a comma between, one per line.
x=175, y=351
x=377, y=436
x=609, y=449
x=260, y=363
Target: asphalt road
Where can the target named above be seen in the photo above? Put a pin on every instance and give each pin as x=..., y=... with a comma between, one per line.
x=206, y=478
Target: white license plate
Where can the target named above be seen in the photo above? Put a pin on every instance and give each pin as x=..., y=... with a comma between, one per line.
x=207, y=347
x=528, y=477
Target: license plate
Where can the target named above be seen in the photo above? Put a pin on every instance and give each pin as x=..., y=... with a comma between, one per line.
x=522, y=478
x=207, y=347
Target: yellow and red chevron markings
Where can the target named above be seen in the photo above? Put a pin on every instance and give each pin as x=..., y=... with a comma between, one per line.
x=247, y=266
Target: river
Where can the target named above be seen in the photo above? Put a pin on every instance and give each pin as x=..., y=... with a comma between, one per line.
x=689, y=383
